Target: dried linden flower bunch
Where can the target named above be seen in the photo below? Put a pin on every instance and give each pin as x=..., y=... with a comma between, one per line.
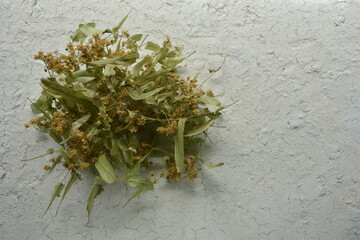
x=115, y=103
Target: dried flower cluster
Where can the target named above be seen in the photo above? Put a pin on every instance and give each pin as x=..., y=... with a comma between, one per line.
x=111, y=110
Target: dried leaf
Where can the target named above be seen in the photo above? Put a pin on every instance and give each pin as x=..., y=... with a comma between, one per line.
x=200, y=128
x=210, y=165
x=210, y=100
x=56, y=193
x=136, y=95
x=170, y=63
x=60, y=92
x=42, y=105
x=78, y=123
x=141, y=184
x=136, y=37
x=97, y=189
x=109, y=70
x=137, y=68
x=179, y=145
x=116, y=29
x=84, y=31
x=152, y=47
x=79, y=87
x=105, y=169
x=74, y=177
x=121, y=60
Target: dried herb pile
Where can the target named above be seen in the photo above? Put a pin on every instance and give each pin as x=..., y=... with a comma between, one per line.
x=115, y=103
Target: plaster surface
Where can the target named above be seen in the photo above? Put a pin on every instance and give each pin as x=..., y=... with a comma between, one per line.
x=290, y=145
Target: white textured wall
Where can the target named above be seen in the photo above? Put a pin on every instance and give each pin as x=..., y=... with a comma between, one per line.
x=290, y=145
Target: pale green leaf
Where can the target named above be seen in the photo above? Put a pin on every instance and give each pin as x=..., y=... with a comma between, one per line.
x=89, y=29
x=123, y=151
x=109, y=70
x=84, y=31
x=82, y=76
x=59, y=91
x=79, y=87
x=120, y=60
x=96, y=190
x=74, y=177
x=134, y=94
x=210, y=165
x=170, y=63
x=141, y=184
x=151, y=101
x=136, y=37
x=161, y=97
x=78, y=123
x=146, y=87
x=42, y=105
x=84, y=80
x=105, y=169
x=56, y=193
x=200, y=128
x=135, y=169
x=137, y=68
x=116, y=29
x=110, y=86
x=210, y=100
x=152, y=47
x=179, y=145
x=167, y=106
x=55, y=137
x=82, y=73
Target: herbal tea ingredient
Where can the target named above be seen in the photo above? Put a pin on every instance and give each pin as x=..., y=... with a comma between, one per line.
x=113, y=102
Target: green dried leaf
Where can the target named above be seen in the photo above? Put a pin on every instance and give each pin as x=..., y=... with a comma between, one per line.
x=111, y=86
x=85, y=80
x=79, y=87
x=200, y=128
x=136, y=95
x=78, y=123
x=60, y=92
x=167, y=106
x=210, y=100
x=121, y=60
x=151, y=153
x=74, y=177
x=152, y=47
x=179, y=145
x=109, y=70
x=136, y=37
x=192, y=143
x=55, y=137
x=121, y=150
x=97, y=189
x=170, y=63
x=84, y=31
x=42, y=105
x=210, y=165
x=141, y=184
x=128, y=155
x=82, y=76
x=116, y=29
x=56, y=193
x=137, y=68
x=161, y=97
x=105, y=169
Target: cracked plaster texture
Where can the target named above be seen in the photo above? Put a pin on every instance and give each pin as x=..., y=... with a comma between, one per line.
x=290, y=145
